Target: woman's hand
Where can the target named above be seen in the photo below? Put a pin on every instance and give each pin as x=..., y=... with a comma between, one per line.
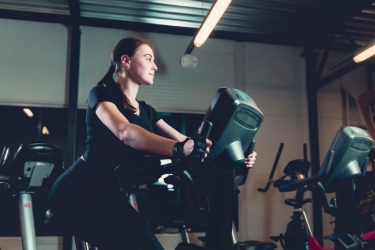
x=250, y=160
x=197, y=147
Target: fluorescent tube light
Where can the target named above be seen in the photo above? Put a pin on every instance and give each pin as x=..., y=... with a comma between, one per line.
x=365, y=52
x=210, y=22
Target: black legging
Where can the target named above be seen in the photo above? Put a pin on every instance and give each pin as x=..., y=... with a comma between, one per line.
x=89, y=203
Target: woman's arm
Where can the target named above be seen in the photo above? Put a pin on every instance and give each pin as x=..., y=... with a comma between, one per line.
x=164, y=129
x=133, y=135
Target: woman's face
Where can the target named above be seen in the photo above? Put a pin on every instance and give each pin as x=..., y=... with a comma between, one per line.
x=141, y=66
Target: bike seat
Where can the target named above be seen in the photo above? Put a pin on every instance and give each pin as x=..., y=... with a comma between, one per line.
x=297, y=203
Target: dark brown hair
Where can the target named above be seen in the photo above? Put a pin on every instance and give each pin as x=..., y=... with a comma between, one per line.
x=126, y=46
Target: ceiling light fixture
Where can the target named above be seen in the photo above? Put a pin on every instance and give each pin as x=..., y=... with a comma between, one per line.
x=209, y=23
x=365, y=52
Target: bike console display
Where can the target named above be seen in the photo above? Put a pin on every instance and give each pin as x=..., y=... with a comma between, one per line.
x=37, y=165
x=346, y=158
x=350, y=148
x=235, y=120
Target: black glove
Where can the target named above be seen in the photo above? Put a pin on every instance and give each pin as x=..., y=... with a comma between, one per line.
x=178, y=150
x=199, y=147
x=198, y=150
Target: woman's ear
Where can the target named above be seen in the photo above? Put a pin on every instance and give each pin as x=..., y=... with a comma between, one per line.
x=125, y=60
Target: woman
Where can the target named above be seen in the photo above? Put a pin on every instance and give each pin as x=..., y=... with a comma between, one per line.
x=120, y=131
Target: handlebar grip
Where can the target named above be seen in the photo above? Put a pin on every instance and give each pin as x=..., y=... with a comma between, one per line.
x=205, y=129
x=250, y=149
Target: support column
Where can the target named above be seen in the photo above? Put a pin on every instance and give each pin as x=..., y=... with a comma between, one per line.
x=311, y=82
x=74, y=56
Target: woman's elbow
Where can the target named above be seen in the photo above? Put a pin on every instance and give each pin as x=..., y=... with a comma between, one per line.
x=128, y=134
x=122, y=134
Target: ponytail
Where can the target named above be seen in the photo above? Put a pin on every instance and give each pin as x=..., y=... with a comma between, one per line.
x=108, y=81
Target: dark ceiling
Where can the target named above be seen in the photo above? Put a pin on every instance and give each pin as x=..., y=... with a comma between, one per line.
x=340, y=24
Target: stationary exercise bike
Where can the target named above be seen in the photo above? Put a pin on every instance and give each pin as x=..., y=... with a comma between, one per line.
x=235, y=119
x=30, y=174
x=346, y=160
x=297, y=232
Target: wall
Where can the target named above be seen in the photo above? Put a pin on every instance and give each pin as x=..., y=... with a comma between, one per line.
x=174, y=87
x=33, y=66
x=275, y=77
